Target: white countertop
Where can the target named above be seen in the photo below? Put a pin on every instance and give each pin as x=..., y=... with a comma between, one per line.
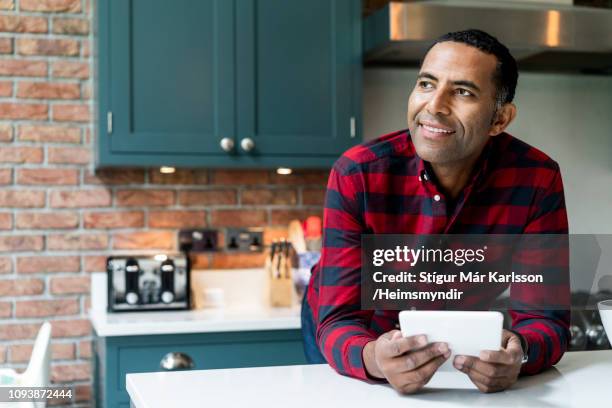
x=581, y=379
x=246, y=309
x=194, y=321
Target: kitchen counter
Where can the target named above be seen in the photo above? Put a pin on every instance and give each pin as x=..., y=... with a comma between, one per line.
x=245, y=309
x=194, y=321
x=580, y=379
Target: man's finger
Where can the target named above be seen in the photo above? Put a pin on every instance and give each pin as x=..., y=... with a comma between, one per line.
x=423, y=374
x=467, y=364
x=397, y=346
x=415, y=359
x=500, y=357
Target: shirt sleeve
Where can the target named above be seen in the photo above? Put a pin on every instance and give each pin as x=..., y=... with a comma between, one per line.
x=541, y=313
x=343, y=329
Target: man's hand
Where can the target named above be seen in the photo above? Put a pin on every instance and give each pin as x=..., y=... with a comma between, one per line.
x=494, y=370
x=408, y=363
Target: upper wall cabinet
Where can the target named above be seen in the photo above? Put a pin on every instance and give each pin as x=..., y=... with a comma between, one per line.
x=228, y=83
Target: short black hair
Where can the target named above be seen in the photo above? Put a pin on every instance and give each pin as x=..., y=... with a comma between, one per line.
x=506, y=74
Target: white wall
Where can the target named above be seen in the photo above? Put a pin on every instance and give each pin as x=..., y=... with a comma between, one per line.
x=567, y=116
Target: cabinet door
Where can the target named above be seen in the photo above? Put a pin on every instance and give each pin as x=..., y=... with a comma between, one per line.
x=298, y=76
x=167, y=76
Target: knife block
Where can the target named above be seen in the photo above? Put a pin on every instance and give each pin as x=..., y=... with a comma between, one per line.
x=281, y=292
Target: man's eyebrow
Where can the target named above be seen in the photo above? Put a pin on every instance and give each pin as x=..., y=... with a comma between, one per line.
x=466, y=83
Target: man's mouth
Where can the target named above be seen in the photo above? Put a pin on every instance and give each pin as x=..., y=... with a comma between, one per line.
x=435, y=129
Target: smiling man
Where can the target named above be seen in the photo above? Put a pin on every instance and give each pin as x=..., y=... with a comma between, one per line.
x=455, y=171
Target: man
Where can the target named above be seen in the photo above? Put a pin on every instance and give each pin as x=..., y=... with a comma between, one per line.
x=453, y=171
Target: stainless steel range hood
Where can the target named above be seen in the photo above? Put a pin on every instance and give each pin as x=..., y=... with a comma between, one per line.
x=541, y=37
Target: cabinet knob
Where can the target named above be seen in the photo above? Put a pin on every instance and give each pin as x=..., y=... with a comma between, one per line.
x=227, y=144
x=176, y=361
x=247, y=144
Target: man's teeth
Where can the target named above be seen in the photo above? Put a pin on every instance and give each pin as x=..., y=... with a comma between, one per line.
x=436, y=130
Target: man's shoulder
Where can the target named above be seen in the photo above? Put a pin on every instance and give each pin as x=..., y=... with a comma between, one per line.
x=515, y=153
x=360, y=156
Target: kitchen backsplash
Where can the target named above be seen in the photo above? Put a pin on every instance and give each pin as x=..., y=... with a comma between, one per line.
x=59, y=220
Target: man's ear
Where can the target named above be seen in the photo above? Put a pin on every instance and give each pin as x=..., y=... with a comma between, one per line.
x=504, y=116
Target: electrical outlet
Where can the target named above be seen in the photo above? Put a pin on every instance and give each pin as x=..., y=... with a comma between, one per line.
x=244, y=239
x=198, y=240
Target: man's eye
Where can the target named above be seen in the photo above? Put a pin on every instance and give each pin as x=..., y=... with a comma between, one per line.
x=425, y=84
x=464, y=92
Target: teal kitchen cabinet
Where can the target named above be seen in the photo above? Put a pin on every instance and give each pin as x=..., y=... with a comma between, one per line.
x=278, y=80
x=117, y=356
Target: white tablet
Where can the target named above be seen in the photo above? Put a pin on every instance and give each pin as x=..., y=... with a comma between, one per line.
x=467, y=333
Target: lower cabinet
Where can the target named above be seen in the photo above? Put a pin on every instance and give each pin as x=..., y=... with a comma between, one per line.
x=117, y=356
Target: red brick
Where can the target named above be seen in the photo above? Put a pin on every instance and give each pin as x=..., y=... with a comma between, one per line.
x=6, y=221
x=86, y=90
x=6, y=132
x=269, y=197
x=64, y=373
x=69, y=155
x=6, y=88
x=23, y=24
x=302, y=177
x=47, y=264
x=21, y=154
x=70, y=285
x=82, y=393
x=47, y=220
x=77, y=241
x=223, y=260
x=45, y=308
x=48, y=47
x=82, y=198
x=6, y=265
x=71, y=26
x=283, y=217
x=30, y=111
x=6, y=176
x=49, y=133
x=180, y=176
x=115, y=219
x=70, y=69
x=313, y=196
x=22, y=198
x=70, y=6
x=86, y=49
x=18, y=331
x=149, y=198
x=238, y=218
x=60, y=351
x=48, y=90
x=6, y=45
x=94, y=263
x=23, y=68
x=71, y=113
x=240, y=177
x=3, y=349
x=48, y=176
x=207, y=197
x=7, y=4
x=177, y=219
x=85, y=349
x=21, y=287
x=114, y=176
x=144, y=240
x=6, y=309
x=70, y=328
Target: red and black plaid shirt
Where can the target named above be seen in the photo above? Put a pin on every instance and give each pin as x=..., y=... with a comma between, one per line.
x=383, y=187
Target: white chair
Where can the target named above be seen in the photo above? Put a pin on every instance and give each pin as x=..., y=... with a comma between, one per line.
x=37, y=373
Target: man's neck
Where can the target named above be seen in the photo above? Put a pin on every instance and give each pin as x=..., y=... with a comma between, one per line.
x=453, y=177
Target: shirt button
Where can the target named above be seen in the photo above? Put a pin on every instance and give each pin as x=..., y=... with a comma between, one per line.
x=420, y=179
x=437, y=197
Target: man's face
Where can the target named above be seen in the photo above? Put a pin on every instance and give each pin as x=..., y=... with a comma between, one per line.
x=451, y=107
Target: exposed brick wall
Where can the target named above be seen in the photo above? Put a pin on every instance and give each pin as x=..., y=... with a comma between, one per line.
x=59, y=219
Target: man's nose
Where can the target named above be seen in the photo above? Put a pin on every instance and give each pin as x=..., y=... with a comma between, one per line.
x=438, y=104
